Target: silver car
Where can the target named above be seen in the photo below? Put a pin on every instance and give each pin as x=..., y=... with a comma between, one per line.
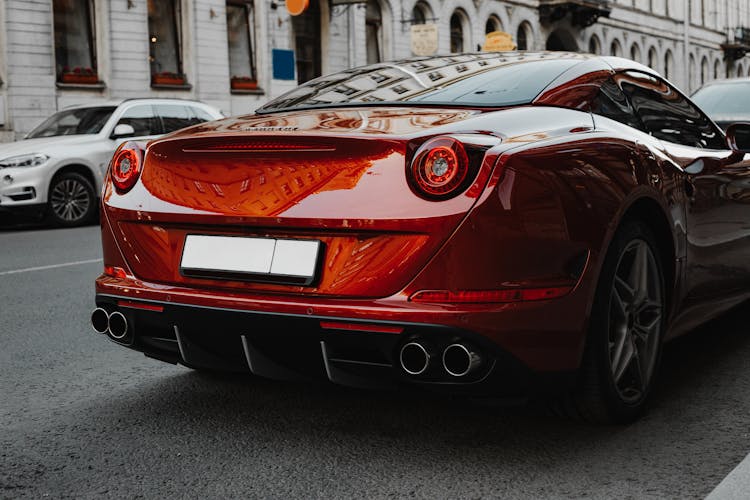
x=57, y=170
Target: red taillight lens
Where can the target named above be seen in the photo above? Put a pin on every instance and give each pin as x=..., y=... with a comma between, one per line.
x=439, y=168
x=127, y=165
x=115, y=272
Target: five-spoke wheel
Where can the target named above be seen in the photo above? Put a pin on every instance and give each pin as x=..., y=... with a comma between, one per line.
x=625, y=333
x=635, y=317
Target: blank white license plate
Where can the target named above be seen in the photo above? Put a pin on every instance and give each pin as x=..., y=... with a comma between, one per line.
x=255, y=256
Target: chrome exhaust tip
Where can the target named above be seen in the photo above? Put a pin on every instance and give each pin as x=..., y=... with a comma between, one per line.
x=460, y=360
x=414, y=358
x=100, y=320
x=118, y=325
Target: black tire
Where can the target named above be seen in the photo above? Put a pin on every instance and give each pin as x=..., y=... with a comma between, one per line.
x=610, y=389
x=71, y=200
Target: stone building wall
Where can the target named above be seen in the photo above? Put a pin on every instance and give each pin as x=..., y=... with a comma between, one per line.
x=653, y=32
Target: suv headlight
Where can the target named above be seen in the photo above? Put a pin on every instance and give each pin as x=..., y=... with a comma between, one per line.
x=32, y=160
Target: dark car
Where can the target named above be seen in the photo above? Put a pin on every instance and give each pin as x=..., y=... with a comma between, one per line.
x=725, y=101
x=494, y=223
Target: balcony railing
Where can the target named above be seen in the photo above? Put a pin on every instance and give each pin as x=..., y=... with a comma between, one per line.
x=739, y=45
x=742, y=35
x=583, y=13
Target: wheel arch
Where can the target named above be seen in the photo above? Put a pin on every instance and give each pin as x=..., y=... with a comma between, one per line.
x=78, y=168
x=648, y=211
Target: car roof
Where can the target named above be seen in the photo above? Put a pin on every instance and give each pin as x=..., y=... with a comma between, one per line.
x=137, y=100
x=622, y=64
x=728, y=81
x=407, y=80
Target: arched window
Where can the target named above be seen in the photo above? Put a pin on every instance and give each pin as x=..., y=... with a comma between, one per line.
x=740, y=70
x=594, y=46
x=635, y=53
x=692, y=74
x=493, y=24
x=668, y=65
x=615, y=49
x=374, y=26
x=652, y=59
x=717, y=69
x=458, y=30
x=704, y=70
x=420, y=13
x=523, y=36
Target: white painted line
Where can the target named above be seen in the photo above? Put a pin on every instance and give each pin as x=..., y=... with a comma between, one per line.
x=52, y=266
x=736, y=485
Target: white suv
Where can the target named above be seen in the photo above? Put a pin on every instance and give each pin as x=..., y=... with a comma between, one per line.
x=58, y=169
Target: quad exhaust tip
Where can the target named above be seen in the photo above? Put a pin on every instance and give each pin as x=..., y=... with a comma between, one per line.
x=414, y=358
x=460, y=360
x=100, y=320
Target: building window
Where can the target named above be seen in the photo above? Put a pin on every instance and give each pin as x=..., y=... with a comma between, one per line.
x=420, y=13
x=635, y=53
x=374, y=27
x=615, y=49
x=594, y=45
x=164, y=23
x=492, y=24
x=75, y=49
x=241, y=41
x=652, y=61
x=307, y=36
x=522, y=37
x=669, y=64
x=457, y=32
x=704, y=70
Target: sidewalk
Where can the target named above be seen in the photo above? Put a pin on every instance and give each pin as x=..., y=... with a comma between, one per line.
x=736, y=486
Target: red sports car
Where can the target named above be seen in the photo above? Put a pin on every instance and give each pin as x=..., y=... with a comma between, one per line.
x=491, y=224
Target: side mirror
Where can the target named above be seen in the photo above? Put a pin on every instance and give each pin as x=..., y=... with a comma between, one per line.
x=123, y=130
x=738, y=137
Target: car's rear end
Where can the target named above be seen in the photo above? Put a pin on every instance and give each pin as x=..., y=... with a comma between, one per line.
x=368, y=246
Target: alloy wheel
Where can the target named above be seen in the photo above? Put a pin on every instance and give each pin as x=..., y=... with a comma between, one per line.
x=70, y=200
x=635, y=320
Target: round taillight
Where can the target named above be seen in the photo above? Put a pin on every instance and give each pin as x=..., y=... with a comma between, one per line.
x=127, y=165
x=440, y=167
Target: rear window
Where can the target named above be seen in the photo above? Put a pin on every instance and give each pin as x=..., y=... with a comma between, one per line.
x=724, y=99
x=476, y=80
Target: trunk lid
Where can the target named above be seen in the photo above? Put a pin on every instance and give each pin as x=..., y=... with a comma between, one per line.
x=336, y=177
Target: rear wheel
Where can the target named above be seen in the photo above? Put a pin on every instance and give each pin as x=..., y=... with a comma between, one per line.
x=71, y=201
x=624, y=342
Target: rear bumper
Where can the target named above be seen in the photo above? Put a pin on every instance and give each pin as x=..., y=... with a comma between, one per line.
x=286, y=338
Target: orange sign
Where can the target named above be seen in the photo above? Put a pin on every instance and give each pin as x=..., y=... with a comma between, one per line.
x=297, y=7
x=498, y=41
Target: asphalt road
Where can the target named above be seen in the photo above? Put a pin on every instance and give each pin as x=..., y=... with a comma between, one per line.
x=82, y=417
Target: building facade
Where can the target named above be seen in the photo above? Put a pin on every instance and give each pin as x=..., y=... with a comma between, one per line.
x=238, y=54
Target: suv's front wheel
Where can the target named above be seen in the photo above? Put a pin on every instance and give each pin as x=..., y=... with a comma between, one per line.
x=71, y=201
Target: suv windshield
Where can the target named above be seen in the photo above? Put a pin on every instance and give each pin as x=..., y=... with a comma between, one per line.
x=74, y=122
x=474, y=80
x=724, y=99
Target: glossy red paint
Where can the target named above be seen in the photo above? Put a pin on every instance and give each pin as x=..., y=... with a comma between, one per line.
x=550, y=184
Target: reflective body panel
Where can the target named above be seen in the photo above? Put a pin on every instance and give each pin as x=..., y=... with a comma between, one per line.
x=550, y=183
